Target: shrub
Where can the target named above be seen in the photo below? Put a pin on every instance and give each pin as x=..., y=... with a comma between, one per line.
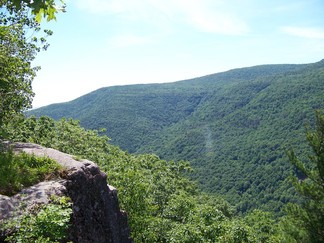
x=22, y=170
x=48, y=223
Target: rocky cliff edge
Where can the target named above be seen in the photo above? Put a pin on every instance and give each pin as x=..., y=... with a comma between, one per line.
x=96, y=214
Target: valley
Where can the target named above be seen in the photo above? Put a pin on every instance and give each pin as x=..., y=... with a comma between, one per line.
x=233, y=127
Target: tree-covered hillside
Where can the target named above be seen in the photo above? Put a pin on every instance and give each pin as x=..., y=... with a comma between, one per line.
x=135, y=114
x=233, y=127
x=162, y=204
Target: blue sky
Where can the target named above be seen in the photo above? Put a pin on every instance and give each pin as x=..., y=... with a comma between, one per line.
x=100, y=43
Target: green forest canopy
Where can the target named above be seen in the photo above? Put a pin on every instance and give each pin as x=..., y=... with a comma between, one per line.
x=233, y=127
x=165, y=206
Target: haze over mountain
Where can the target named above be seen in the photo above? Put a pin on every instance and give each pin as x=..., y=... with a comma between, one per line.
x=233, y=126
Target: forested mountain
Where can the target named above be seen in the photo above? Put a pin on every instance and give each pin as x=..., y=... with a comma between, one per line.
x=233, y=126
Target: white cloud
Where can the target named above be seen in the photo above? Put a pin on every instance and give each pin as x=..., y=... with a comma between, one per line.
x=204, y=15
x=310, y=33
x=212, y=17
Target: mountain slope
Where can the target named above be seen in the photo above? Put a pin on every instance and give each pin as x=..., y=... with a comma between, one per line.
x=232, y=126
x=240, y=144
x=134, y=114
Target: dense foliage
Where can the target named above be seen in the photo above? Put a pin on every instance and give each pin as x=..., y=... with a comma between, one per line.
x=20, y=41
x=233, y=127
x=162, y=203
x=45, y=224
x=309, y=182
x=40, y=8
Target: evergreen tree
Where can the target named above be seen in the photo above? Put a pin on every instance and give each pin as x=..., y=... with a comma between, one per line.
x=309, y=183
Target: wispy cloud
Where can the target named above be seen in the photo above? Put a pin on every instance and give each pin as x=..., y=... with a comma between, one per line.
x=210, y=17
x=203, y=15
x=310, y=33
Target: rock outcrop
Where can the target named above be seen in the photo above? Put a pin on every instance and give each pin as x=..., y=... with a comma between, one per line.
x=96, y=214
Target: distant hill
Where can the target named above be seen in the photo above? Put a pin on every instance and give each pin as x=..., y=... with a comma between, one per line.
x=232, y=126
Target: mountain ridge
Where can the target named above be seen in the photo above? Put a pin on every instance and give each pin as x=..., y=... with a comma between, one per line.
x=232, y=126
x=198, y=83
